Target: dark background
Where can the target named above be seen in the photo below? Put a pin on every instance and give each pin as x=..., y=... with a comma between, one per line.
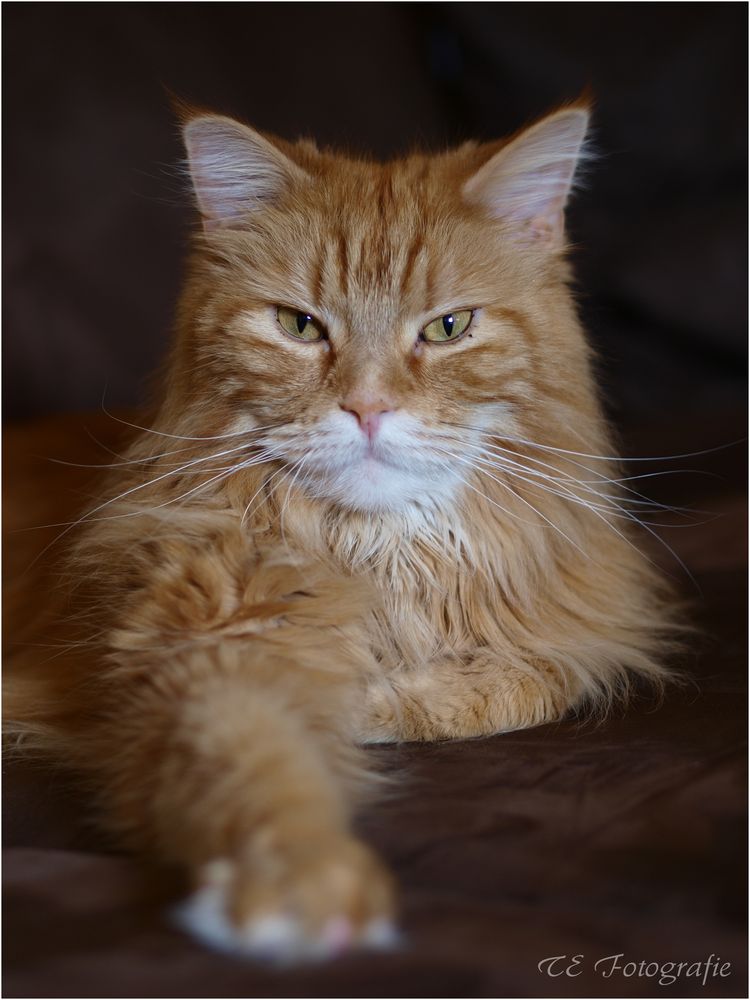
x=97, y=213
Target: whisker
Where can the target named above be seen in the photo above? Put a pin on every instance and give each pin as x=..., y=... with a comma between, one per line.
x=624, y=538
x=187, y=437
x=115, y=465
x=524, y=501
x=627, y=458
x=612, y=508
x=298, y=465
x=583, y=454
x=505, y=510
x=600, y=478
x=88, y=516
x=609, y=500
x=142, y=486
x=258, y=492
x=238, y=467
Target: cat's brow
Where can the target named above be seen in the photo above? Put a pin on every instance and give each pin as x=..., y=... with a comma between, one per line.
x=385, y=194
x=343, y=259
x=317, y=276
x=411, y=258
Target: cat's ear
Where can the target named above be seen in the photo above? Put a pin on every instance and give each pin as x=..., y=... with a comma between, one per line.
x=234, y=169
x=528, y=181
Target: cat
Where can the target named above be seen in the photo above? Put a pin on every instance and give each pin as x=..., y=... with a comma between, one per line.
x=378, y=503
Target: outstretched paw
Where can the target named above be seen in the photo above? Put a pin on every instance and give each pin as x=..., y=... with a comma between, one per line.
x=311, y=903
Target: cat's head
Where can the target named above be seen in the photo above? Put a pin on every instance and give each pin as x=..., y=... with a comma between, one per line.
x=378, y=318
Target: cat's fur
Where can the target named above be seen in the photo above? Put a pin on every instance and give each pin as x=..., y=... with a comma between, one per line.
x=423, y=542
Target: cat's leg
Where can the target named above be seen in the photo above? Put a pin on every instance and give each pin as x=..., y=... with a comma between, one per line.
x=224, y=744
x=459, y=699
x=235, y=764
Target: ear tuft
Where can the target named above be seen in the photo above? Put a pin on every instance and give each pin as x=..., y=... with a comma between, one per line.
x=234, y=169
x=527, y=183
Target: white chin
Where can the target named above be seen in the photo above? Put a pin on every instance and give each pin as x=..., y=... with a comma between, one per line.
x=371, y=485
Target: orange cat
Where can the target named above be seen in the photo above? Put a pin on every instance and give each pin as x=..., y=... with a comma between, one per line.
x=372, y=507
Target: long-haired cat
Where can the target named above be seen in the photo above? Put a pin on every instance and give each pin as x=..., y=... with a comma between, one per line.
x=378, y=502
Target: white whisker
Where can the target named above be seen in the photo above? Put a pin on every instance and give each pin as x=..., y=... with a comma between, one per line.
x=601, y=478
x=608, y=502
x=506, y=486
x=187, y=437
x=89, y=518
x=597, y=512
x=260, y=489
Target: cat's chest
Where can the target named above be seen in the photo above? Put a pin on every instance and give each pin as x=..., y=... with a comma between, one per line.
x=417, y=618
x=429, y=600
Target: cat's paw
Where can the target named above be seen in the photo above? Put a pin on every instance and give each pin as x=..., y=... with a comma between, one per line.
x=380, y=717
x=304, y=905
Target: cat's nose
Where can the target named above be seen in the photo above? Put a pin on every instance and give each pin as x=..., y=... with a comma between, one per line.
x=368, y=411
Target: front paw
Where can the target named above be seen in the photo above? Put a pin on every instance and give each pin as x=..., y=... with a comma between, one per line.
x=311, y=902
x=381, y=713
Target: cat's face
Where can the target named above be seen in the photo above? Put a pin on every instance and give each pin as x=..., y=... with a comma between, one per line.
x=376, y=319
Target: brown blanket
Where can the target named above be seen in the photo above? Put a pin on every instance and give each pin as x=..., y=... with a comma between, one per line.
x=625, y=839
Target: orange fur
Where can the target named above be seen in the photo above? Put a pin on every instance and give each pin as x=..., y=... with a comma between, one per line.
x=241, y=629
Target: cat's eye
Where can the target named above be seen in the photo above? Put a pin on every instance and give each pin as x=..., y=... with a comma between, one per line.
x=448, y=327
x=300, y=325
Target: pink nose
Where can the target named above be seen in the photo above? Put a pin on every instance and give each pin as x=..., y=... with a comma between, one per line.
x=368, y=411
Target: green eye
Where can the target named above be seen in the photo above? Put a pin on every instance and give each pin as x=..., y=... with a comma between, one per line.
x=299, y=325
x=448, y=327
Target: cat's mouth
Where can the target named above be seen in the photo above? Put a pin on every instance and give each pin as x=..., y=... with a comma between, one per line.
x=399, y=467
x=377, y=478
x=374, y=466
x=377, y=458
x=373, y=452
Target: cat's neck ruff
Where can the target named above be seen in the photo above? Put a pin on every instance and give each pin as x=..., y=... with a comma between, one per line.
x=395, y=545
